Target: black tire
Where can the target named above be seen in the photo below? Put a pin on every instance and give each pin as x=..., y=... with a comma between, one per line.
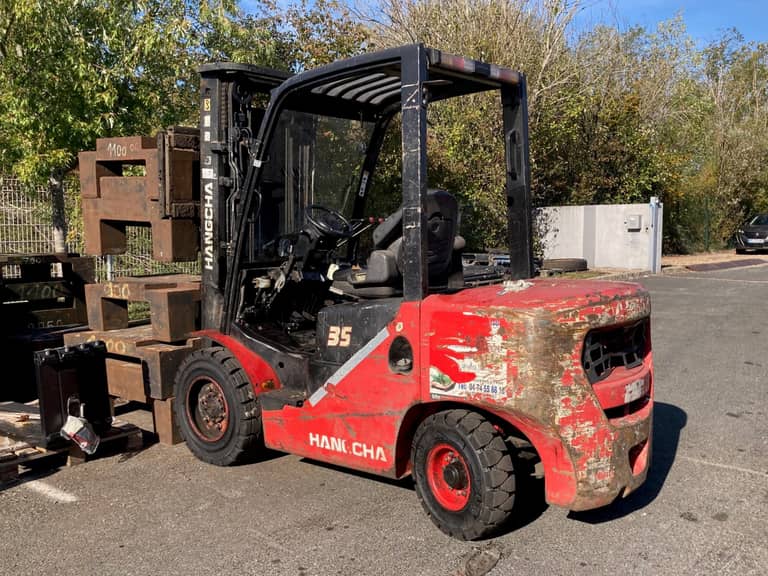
x=565, y=264
x=741, y=251
x=215, y=409
x=475, y=499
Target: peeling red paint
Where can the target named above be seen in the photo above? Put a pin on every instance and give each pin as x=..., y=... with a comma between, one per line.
x=544, y=328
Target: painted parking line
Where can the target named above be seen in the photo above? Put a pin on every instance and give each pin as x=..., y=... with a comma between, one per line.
x=686, y=277
x=725, y=466
x=50, y=492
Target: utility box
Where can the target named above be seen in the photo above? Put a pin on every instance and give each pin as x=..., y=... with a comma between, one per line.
x=634, y=222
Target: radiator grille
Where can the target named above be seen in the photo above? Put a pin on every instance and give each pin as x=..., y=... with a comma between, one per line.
x=606, y=349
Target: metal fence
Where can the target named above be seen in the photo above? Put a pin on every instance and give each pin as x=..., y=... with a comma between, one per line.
x=25, y=218
x=25, y=228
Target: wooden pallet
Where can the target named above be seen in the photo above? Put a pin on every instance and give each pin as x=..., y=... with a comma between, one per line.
x=22, y=446
x=161, y=194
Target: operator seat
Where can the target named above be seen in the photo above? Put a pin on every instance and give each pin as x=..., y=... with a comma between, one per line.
x=382, y=277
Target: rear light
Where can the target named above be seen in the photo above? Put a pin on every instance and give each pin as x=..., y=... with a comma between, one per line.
x=469, y=66
x=457, y=63
x=504, y=74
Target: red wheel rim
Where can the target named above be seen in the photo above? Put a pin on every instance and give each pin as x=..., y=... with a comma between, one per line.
x=207, y=409
x=448, y=477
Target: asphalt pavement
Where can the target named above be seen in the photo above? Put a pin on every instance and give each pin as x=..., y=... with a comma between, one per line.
x=703, y=510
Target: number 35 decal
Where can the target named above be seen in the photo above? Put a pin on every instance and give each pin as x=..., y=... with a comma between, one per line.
x=339, y=336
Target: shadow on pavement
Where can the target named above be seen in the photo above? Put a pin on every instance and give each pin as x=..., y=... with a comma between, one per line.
x=668, y=421
x=529, y=498
x=405, y=482
x=36, y=470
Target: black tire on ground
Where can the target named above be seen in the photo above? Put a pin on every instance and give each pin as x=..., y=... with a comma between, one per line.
x=215, y=409
x=464, y=474
x=565, y=264
x=740, y=251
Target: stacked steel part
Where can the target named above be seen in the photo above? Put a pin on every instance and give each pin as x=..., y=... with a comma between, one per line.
x=67, y=375
x=141, y=369
x=42, y=297
x=142, y=359
x=43, y=291
x=174, y=303
x=143, y=181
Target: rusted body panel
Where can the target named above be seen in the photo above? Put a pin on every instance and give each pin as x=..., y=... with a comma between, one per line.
x=516, y=350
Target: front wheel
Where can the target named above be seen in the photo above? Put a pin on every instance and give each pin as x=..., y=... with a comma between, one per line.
x=215, y=408
x=464, y=474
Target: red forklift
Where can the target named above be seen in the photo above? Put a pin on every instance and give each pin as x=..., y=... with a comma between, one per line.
x=361, y=340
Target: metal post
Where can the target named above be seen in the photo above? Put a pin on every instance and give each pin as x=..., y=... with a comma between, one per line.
x=655, y=240
x=414, y=140
x=515, y=117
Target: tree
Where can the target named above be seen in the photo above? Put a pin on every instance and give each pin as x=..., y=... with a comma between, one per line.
x=466, y=147
x=319, y=31
x=736, y=159
x=71, y=72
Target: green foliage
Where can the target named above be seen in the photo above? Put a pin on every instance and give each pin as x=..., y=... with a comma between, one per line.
x=75, y=71
x=615, y=117
x=320, y=31
x=467, y=157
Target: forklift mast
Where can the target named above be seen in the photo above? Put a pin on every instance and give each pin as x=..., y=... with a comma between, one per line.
x=233, y=97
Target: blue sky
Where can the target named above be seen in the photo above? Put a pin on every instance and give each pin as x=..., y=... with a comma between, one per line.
x=704, y=19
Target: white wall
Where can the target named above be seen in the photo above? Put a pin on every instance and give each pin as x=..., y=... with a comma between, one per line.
x=605, y=235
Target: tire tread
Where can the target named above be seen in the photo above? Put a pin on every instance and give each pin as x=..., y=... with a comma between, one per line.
x=496, y=467
x=247, y=438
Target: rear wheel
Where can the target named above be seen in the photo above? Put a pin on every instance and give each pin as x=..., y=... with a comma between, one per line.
x=215, y=408
x=464, y=474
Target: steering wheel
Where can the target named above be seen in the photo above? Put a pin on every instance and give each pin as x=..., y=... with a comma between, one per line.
x=328, y=221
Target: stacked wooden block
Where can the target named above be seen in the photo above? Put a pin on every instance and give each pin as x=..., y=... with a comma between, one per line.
x=163, y=194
